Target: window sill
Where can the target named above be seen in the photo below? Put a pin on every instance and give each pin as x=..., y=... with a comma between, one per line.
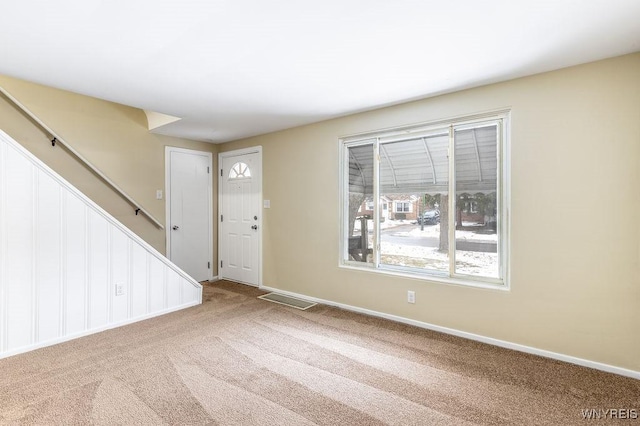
x=486, y=284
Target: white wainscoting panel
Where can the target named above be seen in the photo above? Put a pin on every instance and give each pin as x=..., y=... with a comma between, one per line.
x=67, y=268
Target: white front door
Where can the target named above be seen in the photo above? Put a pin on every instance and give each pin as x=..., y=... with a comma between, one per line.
x=240, y=219
x=189, y=217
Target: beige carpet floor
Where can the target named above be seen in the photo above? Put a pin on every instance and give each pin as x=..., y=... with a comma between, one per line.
x=239, y=360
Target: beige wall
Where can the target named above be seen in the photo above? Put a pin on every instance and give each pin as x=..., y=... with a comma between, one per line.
x=111, y=136
x=575, y=237
x=575, y=156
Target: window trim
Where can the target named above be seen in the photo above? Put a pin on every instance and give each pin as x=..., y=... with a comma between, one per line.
x=402, y=202
x=502, y=119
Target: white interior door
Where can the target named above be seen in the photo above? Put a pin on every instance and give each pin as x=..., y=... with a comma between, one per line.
x=240, y=220
x=189, y=216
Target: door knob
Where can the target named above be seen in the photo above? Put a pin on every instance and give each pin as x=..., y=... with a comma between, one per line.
x=175, y=227
x=255, y=227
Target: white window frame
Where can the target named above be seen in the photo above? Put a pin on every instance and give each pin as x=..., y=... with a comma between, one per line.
x=502, y=118
x=402, y=203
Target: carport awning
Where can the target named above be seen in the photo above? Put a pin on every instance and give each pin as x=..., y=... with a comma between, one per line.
x=420, y=164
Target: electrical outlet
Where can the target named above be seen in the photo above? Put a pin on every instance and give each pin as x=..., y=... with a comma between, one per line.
x=411, y=296
x=119, y=289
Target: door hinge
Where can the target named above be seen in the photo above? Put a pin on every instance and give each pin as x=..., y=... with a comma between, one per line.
x=208, y=265
x=221, y=218
x=208, y=171
x=220, y=172
x=221, y=263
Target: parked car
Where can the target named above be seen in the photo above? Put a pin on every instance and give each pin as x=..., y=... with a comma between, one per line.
x=429, y=217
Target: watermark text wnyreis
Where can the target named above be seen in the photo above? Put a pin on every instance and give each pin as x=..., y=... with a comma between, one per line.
x=610, y=413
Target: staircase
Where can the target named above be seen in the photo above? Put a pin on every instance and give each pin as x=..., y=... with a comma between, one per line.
x=68, y=268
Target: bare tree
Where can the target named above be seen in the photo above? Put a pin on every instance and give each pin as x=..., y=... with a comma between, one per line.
x=444, y=224
x=355, y=201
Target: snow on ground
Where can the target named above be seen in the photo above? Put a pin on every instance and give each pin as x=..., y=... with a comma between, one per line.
x=434, y=231
x=467, y=262
x=431, y=230
x=384, y=225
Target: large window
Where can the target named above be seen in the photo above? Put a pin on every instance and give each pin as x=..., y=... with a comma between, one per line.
x=447, y=183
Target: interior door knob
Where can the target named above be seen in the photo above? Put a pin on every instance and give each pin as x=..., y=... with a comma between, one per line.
x=254, y=227
x=175, y=227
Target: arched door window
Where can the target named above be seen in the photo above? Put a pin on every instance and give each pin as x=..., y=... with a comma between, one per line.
x=240, y=170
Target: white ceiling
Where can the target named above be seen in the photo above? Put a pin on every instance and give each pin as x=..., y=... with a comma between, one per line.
x=236, y=68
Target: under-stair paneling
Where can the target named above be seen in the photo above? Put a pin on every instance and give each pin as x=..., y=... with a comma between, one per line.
x=75, y=260
x=3, y=246
x=119, y=274
x=19, y=280
x=174, y=289
x=99, y=254
x=67, y=267
x=48, y=252
x=189, y=292
x=139, y=280
x=159, y=281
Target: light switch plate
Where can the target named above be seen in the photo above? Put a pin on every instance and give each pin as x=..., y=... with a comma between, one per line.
x=267, y=204
x=159, y=194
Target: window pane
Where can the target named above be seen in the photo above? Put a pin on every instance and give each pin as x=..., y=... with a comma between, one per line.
x=476, y=201
x=359, y=211
x=239, y=170
x=414, y=176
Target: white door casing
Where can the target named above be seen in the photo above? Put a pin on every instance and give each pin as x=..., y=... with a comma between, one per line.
x=189, y=211
x=240, y=221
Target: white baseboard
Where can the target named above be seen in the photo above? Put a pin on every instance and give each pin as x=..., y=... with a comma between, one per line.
x=73, y=336
x=214, y=279
x=471, y=336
